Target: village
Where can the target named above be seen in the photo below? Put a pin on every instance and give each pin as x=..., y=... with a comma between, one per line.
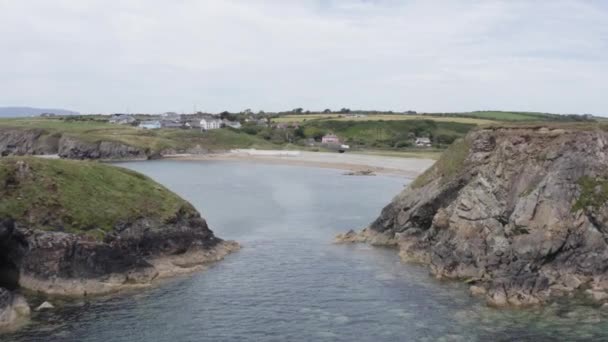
x=291, y=132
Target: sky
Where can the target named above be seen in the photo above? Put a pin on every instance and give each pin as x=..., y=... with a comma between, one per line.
x=425, y=55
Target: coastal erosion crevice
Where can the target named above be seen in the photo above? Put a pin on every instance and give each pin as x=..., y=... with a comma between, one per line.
x=14, y=309
x=517, y=212
x=12, y=247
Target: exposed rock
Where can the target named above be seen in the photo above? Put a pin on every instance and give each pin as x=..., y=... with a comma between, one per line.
x=13, y=308
x=477, y=290
x=21, y=142
x=72, y=148
x=525, y=210
x=360, y=173
x=27, y=142
x=45, y=306
x=366, y=235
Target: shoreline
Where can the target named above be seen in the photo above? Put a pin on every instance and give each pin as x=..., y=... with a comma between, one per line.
x=162, y=267
x=352, y=162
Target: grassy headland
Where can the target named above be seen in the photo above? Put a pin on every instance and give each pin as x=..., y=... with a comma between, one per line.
x=95, y=130
x=79, y=196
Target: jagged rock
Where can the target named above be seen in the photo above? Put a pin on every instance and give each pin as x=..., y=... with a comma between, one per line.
x=27, y=142
x=72, y=148
x=13, y=307
x=524, y=209
x=45, y=306
x=20, y=142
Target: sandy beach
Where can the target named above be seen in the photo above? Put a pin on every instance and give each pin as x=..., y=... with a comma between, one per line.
x=352, y=162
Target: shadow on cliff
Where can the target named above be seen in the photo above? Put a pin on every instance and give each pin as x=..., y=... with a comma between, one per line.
x=12, y=247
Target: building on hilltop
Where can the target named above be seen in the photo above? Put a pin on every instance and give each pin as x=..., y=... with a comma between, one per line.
x=152, y=124
x=330, y=139
x=210, y=123
x=423, y=142
x=121, y=119
x=232, y=124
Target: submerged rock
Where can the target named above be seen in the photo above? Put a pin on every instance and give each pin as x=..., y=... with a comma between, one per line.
x=360, y=173
x=522, y=209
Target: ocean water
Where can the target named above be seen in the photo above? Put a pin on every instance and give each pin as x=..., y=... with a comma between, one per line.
x=290, y=283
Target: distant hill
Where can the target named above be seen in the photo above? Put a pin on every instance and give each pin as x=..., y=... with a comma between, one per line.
x=15, y=112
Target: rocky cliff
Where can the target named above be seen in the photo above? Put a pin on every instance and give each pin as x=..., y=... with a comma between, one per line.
x=21, y=142
x=520, y=213
x=79, y=228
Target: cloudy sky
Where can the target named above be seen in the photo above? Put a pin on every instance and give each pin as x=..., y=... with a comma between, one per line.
x=214, y=55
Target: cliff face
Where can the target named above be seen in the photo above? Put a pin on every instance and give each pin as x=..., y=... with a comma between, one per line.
x=21, y=142
x=521, y=213
x=78, y=228
x=72, y=148
x=27, y=142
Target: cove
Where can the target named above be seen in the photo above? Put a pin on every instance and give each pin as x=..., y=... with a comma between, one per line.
x=289, y=282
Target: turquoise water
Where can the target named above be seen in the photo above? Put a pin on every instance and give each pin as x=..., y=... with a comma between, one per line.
x=290, y=283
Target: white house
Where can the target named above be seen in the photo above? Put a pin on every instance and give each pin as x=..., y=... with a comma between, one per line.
x=122, y=119
x=330, y=139
x=423, y=142
x=233, y=124
x=155, y=124
x=208, y=123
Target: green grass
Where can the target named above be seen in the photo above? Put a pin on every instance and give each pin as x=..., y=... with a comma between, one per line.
x=448, y=165
x=594, y=193
x=375, y=117
x=388, y=134
x=474, y=118
x=79, y=196
x=154, y=140
x=508, y=116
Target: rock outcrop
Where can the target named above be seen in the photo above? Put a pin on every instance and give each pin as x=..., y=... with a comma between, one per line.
x=79, y=228
x=23, y=142
x=13, y=309
x=27, y=142
x=521, y=213
x=72, y=148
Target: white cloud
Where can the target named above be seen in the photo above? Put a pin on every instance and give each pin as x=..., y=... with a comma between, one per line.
x=152, y=55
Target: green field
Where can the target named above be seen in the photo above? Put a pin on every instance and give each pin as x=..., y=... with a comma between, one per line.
x=379, y=117
x=475, y=118
x=388, y=134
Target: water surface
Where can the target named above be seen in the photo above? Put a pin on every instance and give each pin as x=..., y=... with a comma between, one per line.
x=289, y=283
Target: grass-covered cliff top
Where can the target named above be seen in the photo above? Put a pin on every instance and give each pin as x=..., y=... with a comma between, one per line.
x=154, y=140
x=80, y=197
